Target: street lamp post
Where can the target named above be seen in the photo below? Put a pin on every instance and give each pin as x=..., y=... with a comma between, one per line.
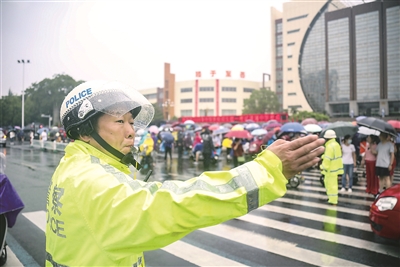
x=167, y=104
x=47, y=116
x=23, y=91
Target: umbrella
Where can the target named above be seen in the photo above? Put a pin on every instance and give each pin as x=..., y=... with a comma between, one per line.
x=272, y=125
x=153, y=129
x=167, y=137
x=395, y=124
x=237, y=127
x=341, y=128
x=309, y=121
x=367, y=131
x=252, y=126
x=313, y=128
x=258, y=132
x=198, y=129
x=378, y=124
x=227, y=125
x=292, y=127
x=268, y=136
x=360, y=118
x=239, y=134
x=214, y=127
x=188, y=122
x=42, y=129
x=221, y=131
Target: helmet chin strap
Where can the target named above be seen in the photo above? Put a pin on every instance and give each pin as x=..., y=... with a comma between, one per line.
x=125, y=159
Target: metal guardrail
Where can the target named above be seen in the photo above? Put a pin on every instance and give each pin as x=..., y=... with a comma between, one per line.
x=49, y=145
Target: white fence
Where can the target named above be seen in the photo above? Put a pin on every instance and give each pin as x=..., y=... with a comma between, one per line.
x=49, y=145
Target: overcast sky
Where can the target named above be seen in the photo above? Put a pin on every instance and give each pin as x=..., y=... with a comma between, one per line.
x=129, y=41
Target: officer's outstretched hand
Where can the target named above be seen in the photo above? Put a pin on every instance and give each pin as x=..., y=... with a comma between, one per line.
x=299, y=154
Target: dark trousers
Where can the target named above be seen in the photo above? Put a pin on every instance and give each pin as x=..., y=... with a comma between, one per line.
x=168, y=150
x=206, y=161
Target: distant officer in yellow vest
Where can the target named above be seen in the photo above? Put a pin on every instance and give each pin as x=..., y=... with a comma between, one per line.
x=98, y=215
x=331, y=166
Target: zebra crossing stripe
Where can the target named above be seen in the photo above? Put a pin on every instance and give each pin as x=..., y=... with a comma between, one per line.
x=279, y=247
x=323, y=196
x=38, y=218
x=186, y=251
x=321, y=235
x=318, y=217
x=181, y=249
x=322, y=206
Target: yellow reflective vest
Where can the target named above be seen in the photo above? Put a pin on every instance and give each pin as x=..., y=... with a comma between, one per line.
x=332, y=159
x=98, y=215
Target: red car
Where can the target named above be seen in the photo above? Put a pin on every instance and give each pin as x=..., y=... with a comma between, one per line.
x=384, y=213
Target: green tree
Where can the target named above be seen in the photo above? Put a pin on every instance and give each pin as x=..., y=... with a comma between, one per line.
x=301, y=115
x=11, y=110
x=46, y=97
x=261, y=101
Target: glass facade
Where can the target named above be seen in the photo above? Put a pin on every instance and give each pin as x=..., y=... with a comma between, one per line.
x=367, y=56
x=279, y=64
x=393, y=52
x=338, y=60
x=312, y=64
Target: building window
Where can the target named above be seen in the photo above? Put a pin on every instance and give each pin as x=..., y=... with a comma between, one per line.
x=290, y=56
x=206, y=100
x=290, y=44
x=289, y=69
x=248, y=90
x=228, y=112
x=290, y=81
x=279, y=39
x=298, y=17
x=206, y=112
x=228, y=100
x=393, y=55
x=186, y=112
x=186, y=90
x=292, y=93
x=293, y=31
x=206, y=89
x=278, y=28
x=279, y=51
x=340, y=110
x=186, y=100
x=229, y=89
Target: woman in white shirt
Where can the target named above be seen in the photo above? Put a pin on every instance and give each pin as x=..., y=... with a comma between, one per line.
x=349, y=162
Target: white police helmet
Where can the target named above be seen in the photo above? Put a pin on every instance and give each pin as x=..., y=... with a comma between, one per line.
x=109, y=97
x=329, y=134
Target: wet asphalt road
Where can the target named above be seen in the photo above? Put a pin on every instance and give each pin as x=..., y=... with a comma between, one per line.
x=296, y=230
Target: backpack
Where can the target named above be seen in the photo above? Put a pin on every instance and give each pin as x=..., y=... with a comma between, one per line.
x=208, y=145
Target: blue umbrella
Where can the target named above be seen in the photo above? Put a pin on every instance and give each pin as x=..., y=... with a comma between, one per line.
x=167, y=137
x=292, y=127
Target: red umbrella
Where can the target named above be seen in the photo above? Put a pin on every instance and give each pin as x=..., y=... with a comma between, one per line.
x=214, y=127
x=395, y=124
x=239, y=134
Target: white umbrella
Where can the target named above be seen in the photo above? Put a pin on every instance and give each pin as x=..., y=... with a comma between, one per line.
x=188, y=122
x=313, y=128
x=367, y=131
x=259, y=132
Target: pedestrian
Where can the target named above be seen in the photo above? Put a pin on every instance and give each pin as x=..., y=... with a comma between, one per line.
x=369, y=161
x=384, y=161
x=168, y=143
x=12, y=137
x=180, y=143
x=349, y=163
x=331, y=166
x=391, y=173
x=31, y=135
x=43, y=135
x=208, y=149
x=238, y=152
x=98, y=215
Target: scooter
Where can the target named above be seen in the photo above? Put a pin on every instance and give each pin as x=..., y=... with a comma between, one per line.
x=9, y=209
